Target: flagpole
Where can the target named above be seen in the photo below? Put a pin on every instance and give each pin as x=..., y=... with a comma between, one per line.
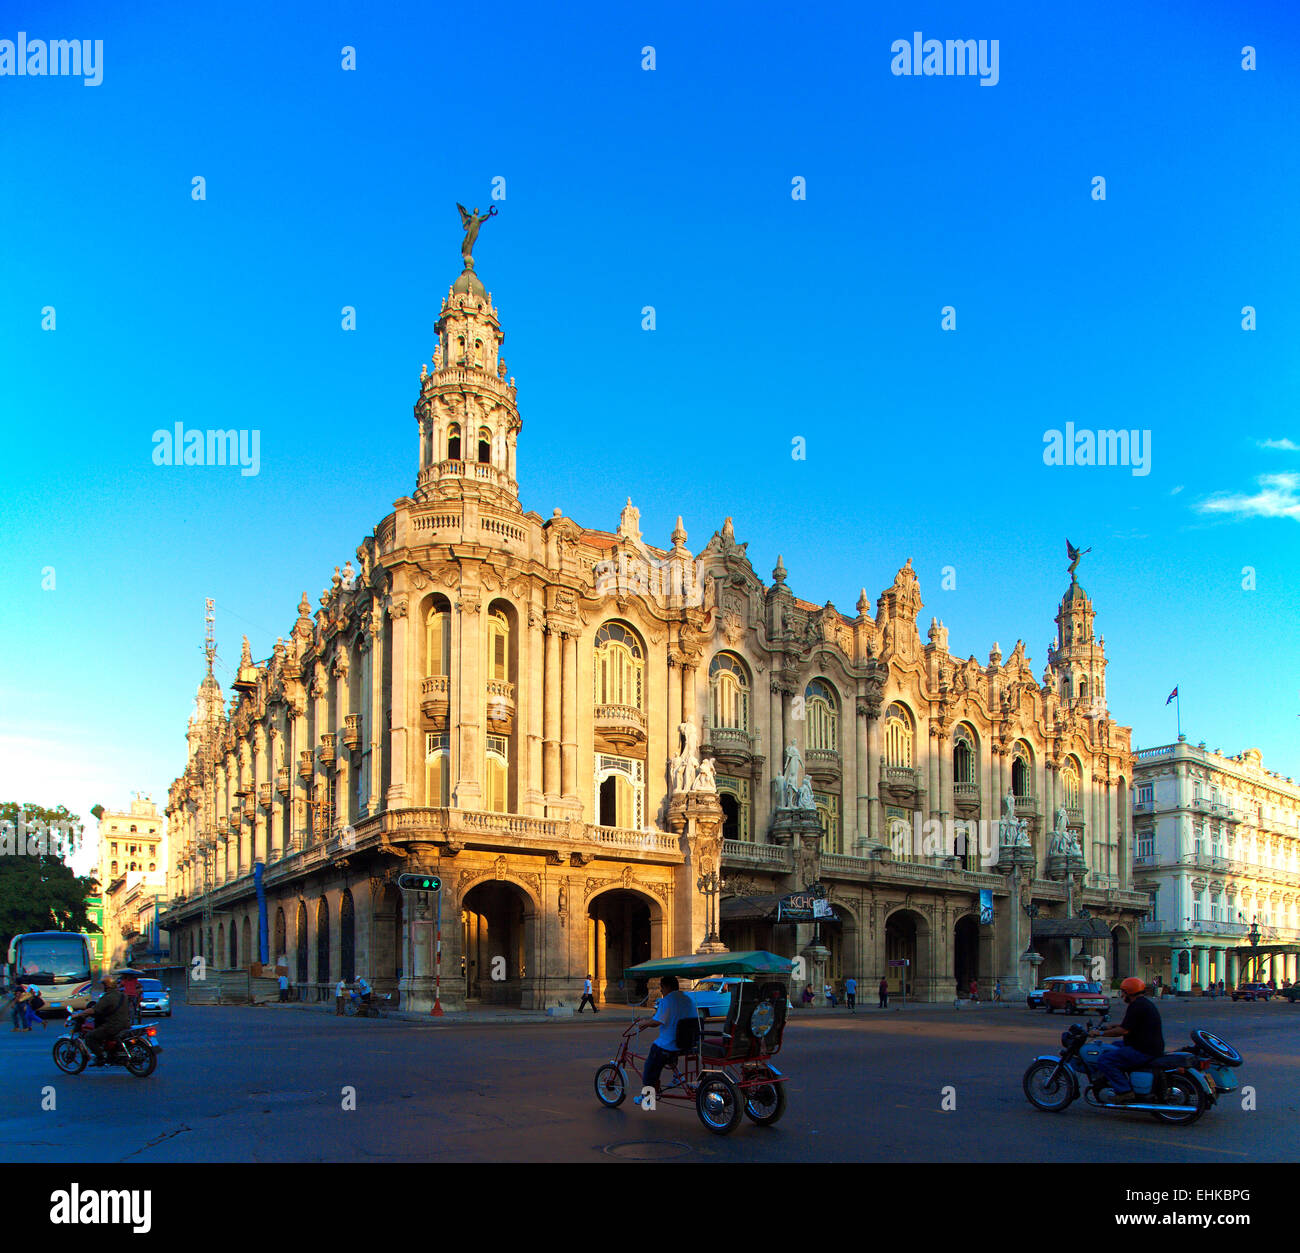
x=1178, y=709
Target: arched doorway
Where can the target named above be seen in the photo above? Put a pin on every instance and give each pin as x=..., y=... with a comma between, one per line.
x=323, y=942
x=966, y=953
x=281, y=953
x=907, y=940
x=1122, y=957
x=388, y=955
x=618, y=936
x=347, y=937
x=301, y=929
x=496, y=930
x=234, y=946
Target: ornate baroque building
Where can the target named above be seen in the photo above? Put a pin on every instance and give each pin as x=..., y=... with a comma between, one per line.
x=1217, y=851
x=499, y=696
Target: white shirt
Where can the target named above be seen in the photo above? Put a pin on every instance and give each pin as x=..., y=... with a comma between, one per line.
x=362, y=986
x=670, y=1011
x=586, y=987
x=340, y=988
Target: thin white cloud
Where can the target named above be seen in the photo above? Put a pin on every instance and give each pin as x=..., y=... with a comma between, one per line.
x=1176, y=490
x=1286, y=445
x=1278, y=497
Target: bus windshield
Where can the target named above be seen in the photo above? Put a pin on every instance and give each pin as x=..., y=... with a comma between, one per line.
x=51, y=959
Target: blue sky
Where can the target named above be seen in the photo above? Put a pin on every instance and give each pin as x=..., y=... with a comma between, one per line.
x=775, y=318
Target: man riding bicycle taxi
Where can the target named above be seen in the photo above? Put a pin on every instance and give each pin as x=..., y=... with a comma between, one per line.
x=1143, y=1040
x=673, y=1006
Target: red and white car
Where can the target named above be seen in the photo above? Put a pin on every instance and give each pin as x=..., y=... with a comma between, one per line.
x=1074, y=995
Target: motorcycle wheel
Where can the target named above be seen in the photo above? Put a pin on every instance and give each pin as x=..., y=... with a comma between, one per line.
x=718, y=1104
x=1183, y=1090
x=69, y=1057
x=611, y=1085
x=766, y=1103
x=140, y=1061
x=1044, y=1094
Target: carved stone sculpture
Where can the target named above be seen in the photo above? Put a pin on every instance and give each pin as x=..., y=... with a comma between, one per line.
x=705, y=777
x=684, y=767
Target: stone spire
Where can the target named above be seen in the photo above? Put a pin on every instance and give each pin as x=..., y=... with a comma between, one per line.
x=1076, y=657
x=466, y=410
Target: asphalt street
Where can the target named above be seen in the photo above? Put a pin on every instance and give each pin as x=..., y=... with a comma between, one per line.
x=275, y=1084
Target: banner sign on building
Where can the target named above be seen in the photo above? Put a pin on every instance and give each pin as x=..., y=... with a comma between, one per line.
x=986, y=907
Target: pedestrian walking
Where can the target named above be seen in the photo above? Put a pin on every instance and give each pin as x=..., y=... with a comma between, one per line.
x=851, y=994
x=974, y=991
x=997, y=992
x=284, y=989
x=130, y=988
x=884, y=993
x=17, y=1014
x=587, y=997
x=340, y=995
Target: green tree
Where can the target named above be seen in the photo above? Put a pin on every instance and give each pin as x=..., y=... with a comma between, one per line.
x=40, y=892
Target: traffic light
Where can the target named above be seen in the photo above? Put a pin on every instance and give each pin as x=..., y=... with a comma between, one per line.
x=419, y=882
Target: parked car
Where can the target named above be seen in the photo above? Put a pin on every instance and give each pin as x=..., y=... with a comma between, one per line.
x=1074, y=996
x=1252, y=992
x=1035, y=998
x=1292, y=993
x=154, y=998
x=713, y=995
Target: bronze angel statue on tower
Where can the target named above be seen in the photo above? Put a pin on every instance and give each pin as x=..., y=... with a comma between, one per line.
x=1074, y=554
x=471, y=223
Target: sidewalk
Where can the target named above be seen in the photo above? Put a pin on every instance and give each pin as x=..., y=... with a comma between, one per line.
x=504, y=1015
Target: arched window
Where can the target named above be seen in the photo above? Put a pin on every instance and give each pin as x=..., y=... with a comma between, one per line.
x=729, y=690
x=822, y=710
x=898, y=735
x=484, y=445
x=1022, y=773
x=620, y=666
x=453, y=442
x=322, y=941
x=498, y=641
x=113, y=869
x=437, y=770
x=963, y=756
x=437, y=639
x=1070, y=783
x=620, y=788
x=496, y=780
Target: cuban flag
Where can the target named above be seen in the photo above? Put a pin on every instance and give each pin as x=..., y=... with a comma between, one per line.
x=1172, y=694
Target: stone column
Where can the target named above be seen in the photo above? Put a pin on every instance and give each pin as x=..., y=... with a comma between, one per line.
x=261, y=775
x=674, y=704
x=552, y=700
x=467, y=712
x=689, y=711
x=399, y=750
x=776, y=750
x=342, y=756
x=569, y=724
x=601, y=944
x=874, y=807
x=532, y=710
x=933, y=795
x=1203, y=966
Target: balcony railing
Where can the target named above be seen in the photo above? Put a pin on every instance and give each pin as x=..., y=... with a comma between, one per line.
x=622, y=724
x=352, y=731
x=1026, y=806
x=1152, y=924
x=903, y=780
x=756, y=854
x=327, y=748
x=969, y=792
x=730, y=741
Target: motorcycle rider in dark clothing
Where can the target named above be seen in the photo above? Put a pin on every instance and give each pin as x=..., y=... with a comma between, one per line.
x=1143, y=1040
x=112, y=1014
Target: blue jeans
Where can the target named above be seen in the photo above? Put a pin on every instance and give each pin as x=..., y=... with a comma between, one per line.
x=1116, y=1061
x=655, y=1061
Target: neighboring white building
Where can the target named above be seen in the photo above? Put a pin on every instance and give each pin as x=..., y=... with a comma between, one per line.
x=1217, y=848
x=133, y=871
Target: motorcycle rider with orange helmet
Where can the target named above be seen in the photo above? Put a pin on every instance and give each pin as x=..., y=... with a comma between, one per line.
x=1143, y=1040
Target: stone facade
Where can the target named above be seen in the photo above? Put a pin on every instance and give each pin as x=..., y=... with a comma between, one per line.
x=508, y=700
x=1217, y=850
x=133, y=867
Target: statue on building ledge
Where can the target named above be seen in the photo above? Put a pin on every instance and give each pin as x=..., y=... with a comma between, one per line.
x=1065, y=857
x=795, y=819
x=1014, y=846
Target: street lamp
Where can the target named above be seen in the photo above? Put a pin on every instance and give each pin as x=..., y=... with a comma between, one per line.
x=1254, y=945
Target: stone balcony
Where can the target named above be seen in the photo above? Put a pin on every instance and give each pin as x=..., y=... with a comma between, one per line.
x=824, y=765
x=282, y=780
x=351, y=734
x=1026, y=807
x=327, y=748
x=731, y=746
x=500, y=707
x=620, y=725
x=1073, y=815
x=966, y=797
x=306, y=767
x=435, y=702
x=901, y=782
x=775, y=857
x=264, y=795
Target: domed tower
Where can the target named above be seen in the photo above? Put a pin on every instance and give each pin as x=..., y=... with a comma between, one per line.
x=466, y=411
x=1077, y=659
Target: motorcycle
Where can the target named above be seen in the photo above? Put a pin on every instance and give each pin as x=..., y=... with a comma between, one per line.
x=136, y=1048
x=1175, y=1088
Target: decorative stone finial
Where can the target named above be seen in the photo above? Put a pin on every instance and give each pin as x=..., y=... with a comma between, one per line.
x=679, y=535
x=779, y=572
x=864, y=605
x=245, y=656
